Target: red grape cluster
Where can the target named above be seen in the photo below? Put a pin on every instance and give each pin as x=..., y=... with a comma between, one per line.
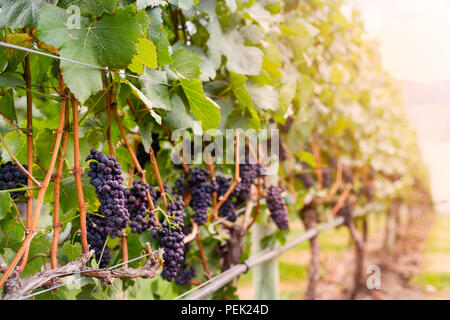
x=141, y=217
x=96, y=237
x=277, y=207
x=11, y=178
x=106, y=177
x=171, y=238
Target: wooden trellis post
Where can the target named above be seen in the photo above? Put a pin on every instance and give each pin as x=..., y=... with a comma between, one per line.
x=265, y=276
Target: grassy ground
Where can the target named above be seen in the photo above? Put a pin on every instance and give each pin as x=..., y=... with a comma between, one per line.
x=435, y=277
x=293, y=264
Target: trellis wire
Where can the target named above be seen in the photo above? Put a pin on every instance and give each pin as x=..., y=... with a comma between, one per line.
x=13, y=46
x=67, y=283
x=214, y=284
x=118, y=265
x=49, y=289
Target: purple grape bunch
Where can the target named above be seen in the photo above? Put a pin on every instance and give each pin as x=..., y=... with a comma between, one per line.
x=96, y=237
x=171, y=238
x=277, y=207
x=202, y=187
x=327, y=179
x=305, y=177
x=11, y=177
x=142, y=155
x=347, y=175
x=141, y=217
x=248, y=172
x=106, y=177
x=228, y=208
x=186, y=273
x=346, y=211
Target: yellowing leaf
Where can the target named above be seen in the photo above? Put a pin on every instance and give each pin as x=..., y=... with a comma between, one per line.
x=148, y=104
x=146, y=56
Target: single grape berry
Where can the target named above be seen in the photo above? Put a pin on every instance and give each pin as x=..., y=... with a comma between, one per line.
x=106, y=177
x=277, y=207
x=96, y=237
x=11, y=177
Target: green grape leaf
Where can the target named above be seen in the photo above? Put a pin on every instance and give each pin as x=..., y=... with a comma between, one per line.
x=148, y=104
x=264, y=97
x=305, y=88
x=19, y=13
x=10, y=80
x=39, y=245
x=203, y=108
x=7, y=106
x=17, y=142
x=108, y=42
x=207, y=68
x=8, y=255
x=5, y=204
x=146, y=56
x=72, y=251
x=180, y=119
x=254, y=119
x=241, y=59
x=252, y=33
x=186, y=63
x=156, y=87
x=159, y=37
x=15, y=57
x=183, y=4
x=237, y=83
x=142, y=4
x=94, y=8
x=42, y=139
x=112, y=243
x=306, y=157
x=145, y=130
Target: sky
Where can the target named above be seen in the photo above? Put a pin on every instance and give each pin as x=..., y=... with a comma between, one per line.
x=414, y=34
x=414, y=40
